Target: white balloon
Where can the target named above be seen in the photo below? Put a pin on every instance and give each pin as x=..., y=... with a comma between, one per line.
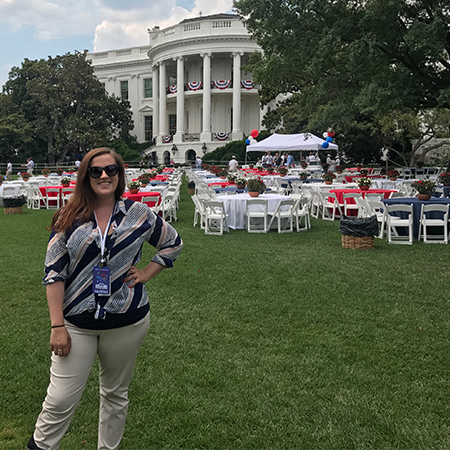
x=325, y=135
x=253, y=142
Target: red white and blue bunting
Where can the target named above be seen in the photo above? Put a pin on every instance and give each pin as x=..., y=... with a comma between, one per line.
x=195, y=85
x=173, y=89
x=167, y=138
x=222, y=84
x=221, y=135
x=247, y=84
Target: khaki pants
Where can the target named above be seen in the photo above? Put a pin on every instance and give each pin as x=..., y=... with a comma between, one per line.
x=117, y=350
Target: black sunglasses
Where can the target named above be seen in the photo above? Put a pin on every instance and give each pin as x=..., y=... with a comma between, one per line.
x=96, y=172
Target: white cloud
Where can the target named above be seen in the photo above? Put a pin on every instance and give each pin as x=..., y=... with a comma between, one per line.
x=123, y=29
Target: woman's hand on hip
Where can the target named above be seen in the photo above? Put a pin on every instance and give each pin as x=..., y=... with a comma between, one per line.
x=136, y=276
x=60, y=341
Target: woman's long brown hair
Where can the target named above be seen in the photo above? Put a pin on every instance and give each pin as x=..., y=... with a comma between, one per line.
x=81, y=204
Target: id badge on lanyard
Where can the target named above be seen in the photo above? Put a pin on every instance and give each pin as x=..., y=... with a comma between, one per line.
x=102, y=274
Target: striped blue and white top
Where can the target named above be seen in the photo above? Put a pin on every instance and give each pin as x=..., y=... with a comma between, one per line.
x=72, y=256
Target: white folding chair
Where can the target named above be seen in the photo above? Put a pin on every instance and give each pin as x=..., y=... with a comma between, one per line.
x=301, y=211
x=426, y=221
x=256, y=208
x=330, y=209
x=350, y=206
x=377, y=208
x=52, y=201
x=66, y=193
x=199, y=212
x=215, y=217
x=283, y=213
x=393, y=222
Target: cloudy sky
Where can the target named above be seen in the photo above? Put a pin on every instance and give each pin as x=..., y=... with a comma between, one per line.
x=36, y=29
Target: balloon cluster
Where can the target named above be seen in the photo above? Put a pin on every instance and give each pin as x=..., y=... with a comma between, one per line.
x=252, y=138
x=328, y=136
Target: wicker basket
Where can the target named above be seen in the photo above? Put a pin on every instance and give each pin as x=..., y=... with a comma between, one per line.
x=15, y=210
x=362, y=243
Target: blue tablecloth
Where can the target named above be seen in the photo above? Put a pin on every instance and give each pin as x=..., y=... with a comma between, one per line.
x=417, y=205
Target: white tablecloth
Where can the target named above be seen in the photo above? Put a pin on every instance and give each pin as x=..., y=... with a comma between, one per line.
x=16, y=192
x=235, y=207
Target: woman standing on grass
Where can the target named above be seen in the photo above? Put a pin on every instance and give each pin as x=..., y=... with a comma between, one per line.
x=96, y=296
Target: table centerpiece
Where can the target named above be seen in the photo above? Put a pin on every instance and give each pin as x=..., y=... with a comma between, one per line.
x=133, y=187
x=364, y=183
x=328, y=177
x=444, y=178
x=424, y=189
x=255, y=187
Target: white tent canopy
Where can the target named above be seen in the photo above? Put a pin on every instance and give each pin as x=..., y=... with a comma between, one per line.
x=290, y=142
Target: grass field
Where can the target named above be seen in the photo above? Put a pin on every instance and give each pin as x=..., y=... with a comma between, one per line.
x=257, y=341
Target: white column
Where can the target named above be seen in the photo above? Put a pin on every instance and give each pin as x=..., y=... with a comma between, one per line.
x=206, y=128
x=155, y=89
x=162, y=100
x=178, y=138
x=237, y=132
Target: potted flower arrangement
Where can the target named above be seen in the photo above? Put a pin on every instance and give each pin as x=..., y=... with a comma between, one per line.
x=364, y=172
x=126, y=165
x=160, y=168
x=282, y=171
x=255, y=186
x=393, y=174
x=364, y=183
x=59, y=171
x=304, y=164
x=65, y=181
x=191, y=187
x=25, y=176
x=45, y=172
x=444, y=178
x=231, y=178
x=133, y=187
x=240, y=182
x=152, y=174
x=251, y=166
x=424, y=189
x=339, y=169
x=269, y=169
x=303, y=175
x=325, y=167
x=328, y=177
x=223, y=173
x=144, y=179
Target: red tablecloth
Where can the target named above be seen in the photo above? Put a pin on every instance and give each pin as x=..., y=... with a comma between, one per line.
x=138, y=197
x=220, y=183
x=351, y=178
x=43, y=191
x=340, y=193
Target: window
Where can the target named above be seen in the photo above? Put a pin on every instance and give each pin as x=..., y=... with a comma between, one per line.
x=172, y=124
x=148, y=88
x=148, y=128
x=124, y=90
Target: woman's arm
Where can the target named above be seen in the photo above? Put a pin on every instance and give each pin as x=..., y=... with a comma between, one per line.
x=59, y=338
x=144, y=275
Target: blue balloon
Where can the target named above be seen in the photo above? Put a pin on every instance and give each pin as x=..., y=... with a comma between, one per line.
x=329, y=139
x=247, y=141
x=325, y=144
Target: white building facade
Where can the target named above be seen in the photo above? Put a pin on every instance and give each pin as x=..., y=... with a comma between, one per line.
x=187, y=89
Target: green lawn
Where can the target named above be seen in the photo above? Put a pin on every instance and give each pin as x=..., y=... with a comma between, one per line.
x=257, y=341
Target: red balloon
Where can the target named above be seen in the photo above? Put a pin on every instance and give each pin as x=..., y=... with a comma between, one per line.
x=254, y=133
x=331, y=133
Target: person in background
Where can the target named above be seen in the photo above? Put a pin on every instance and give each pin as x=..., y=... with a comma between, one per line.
x=142, y=164
x=233, y=164
x=29, y=165
x=77, y=164
x=198, y=162
x=290, y=160
x=97, y=298
x=8, y=170
x=269, y=160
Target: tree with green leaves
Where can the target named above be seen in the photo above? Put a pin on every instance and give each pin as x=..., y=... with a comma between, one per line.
x=65, y=107
x=351, y=65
